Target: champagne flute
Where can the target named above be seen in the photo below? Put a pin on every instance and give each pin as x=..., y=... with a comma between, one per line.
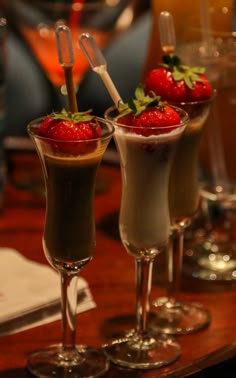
x=144, y=226
x=69, y=169
x=173, y=315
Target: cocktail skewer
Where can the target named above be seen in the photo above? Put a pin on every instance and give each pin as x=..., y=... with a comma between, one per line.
x=66, y=60
x=98, y=64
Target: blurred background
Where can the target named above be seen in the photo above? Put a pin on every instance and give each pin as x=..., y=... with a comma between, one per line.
x=31, y=68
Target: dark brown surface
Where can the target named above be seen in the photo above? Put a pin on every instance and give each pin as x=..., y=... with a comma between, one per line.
x=110, y=276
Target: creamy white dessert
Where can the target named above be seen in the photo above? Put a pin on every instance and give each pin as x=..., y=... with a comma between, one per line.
x=145, y=166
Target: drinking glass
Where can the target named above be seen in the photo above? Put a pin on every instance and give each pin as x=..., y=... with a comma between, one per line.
x=144, y=226
x=69, y=169
x=173, y=315
x=211, y=244
x=37, y=20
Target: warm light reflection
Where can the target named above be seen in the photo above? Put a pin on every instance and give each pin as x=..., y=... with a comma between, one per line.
x=125, y=19
x=225, y=10
x=112, y=3
x=219, y=189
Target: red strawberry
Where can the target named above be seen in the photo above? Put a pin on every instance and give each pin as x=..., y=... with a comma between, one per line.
x=45, y=125
x=161, y=81
x=177, y=83
x=67, y=127
x=201, y=90
x=148, y=114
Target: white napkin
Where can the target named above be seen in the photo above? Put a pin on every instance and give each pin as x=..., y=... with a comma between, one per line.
x=30, y=293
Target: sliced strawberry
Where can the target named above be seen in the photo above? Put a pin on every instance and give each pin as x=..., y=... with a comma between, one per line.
x=176, y=82
x=71, y=128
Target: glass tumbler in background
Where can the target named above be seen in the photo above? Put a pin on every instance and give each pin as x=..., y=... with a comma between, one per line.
x=210, y=241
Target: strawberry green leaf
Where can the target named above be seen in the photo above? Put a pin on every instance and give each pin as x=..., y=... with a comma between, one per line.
x=131, y=104
x=139, y=93
x=139, y=103
x=75, y=117
x=188, y=81
x=196, y=77
x=198, y=70
x=182, y=72
x=177, y=75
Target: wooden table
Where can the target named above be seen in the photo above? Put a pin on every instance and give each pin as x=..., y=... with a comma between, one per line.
x=110, y=276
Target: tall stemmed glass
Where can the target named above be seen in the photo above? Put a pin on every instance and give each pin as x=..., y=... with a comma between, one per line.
x=173, y=315
x=144, y=226
x=69, y=169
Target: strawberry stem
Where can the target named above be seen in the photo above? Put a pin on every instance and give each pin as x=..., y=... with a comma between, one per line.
x=76, y=117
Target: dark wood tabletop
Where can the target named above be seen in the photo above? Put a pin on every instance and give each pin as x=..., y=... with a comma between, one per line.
x=110, y=276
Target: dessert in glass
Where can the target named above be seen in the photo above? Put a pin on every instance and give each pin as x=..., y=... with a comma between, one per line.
x=188, y=88
x=146, y=146
x=70, y=149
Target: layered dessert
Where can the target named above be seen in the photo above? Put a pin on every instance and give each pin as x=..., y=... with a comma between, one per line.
x=145, y=167
x=69, y=232
x=71, y=148
x=184, y=179
x=146, y=144
x=188, y=88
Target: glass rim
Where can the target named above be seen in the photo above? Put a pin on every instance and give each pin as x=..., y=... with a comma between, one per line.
x=192, y=103
x=36, y=122
x=184, y=120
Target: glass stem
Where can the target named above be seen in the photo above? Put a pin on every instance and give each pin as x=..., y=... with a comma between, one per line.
x=144, y=267
x=69, y=305
x=175, y=261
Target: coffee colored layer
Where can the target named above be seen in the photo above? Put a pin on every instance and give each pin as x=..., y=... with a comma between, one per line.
x=184, y=183
x=69, y=234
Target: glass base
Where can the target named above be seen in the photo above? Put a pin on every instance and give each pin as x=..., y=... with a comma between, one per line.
x=211, y=261
x=143, y=353
x=210, y=245
x=83, y=362
x=178, y=318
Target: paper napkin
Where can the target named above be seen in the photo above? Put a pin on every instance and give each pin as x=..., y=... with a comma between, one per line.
x=30, y=293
